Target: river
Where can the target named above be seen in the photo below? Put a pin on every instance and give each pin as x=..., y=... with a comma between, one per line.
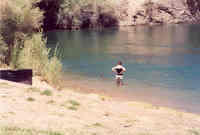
x=162, y=62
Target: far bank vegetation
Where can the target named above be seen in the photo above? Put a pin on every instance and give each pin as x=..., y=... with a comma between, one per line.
x=76, y=14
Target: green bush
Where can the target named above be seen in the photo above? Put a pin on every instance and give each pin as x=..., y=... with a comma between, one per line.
x=35, y=55
x=21, y=45
x=3, y=51
x=18, y=19
x=53, y=72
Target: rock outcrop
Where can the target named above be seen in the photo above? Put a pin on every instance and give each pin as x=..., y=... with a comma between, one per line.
x=109, y=13
x=158, y=11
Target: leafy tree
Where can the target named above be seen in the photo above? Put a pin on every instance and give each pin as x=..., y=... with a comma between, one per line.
x=69, y=14
x=19, y=20
x=50, y=9
x=3, y=51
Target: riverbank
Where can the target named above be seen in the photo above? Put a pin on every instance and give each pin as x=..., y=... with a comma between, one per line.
x=42, y=108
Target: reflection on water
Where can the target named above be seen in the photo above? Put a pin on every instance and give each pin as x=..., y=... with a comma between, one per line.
x=162, y=61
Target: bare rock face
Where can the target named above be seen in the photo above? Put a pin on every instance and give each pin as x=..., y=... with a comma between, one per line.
x=194, y=8
x=112, y=13
x=134, y=12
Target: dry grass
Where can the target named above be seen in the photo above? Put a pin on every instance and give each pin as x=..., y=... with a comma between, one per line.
x=194, y=131
x=30, y=99
x=33, y=89
x=51, y=102
x=74, y=103
x=71, y=105
x=47, y=93
x=21, y=131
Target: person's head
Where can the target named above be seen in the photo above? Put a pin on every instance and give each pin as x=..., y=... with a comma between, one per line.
x=119, y=63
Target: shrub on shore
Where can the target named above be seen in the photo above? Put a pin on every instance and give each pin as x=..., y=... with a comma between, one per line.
x=3, y=51
x=18, y=20
x=21, y=45
x=35, y=55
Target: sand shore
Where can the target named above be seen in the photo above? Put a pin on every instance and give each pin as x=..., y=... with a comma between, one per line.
x=42, y=107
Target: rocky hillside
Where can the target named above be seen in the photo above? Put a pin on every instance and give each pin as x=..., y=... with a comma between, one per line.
x=158, y=11
x=67, y=14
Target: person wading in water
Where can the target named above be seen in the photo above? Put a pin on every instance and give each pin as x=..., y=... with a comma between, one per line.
x=119, y=70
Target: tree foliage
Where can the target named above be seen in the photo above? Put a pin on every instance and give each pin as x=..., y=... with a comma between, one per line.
x=35, y=56
x=21, y=43
x=69, y=14
x=87, y=13
x=50, y=9
x=18, y=20
x=3, y=51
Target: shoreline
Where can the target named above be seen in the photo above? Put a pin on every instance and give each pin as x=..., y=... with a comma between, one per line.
x=85, y=91
x=123, y=26
x=87, y=113
x=122, y=95
x=118, y=95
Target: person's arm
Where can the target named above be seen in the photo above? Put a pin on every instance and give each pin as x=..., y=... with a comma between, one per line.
x=124, y=69
x=113, y=69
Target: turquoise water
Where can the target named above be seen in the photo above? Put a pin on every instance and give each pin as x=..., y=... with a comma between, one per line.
x=163, y=62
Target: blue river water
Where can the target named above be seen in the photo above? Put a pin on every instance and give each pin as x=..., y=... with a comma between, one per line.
x=162, y=62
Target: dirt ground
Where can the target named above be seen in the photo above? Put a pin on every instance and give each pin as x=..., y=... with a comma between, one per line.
x=43, y=108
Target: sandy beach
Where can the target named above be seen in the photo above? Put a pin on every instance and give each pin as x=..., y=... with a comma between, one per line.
x=68, y=112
